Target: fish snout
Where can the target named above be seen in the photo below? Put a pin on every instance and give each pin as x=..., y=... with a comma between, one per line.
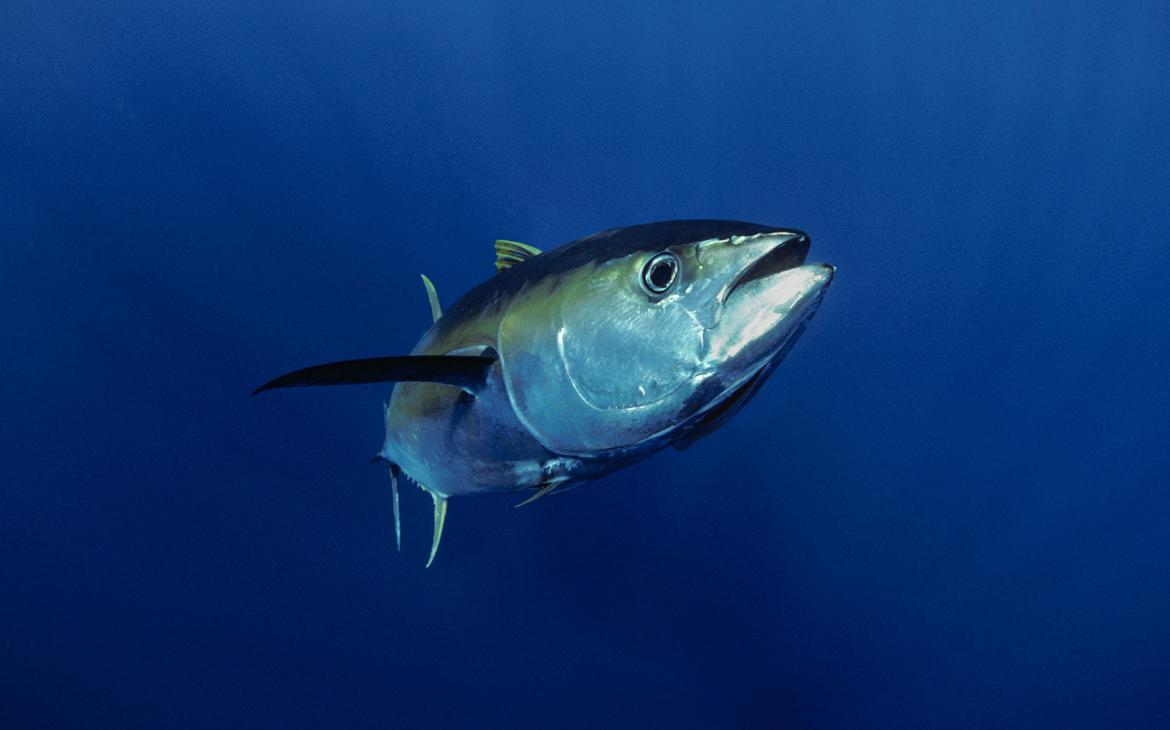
x=764, y=314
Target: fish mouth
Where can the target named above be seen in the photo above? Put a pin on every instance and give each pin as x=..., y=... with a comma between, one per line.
x=748, y=346
x=764, y=319
x=788, y=254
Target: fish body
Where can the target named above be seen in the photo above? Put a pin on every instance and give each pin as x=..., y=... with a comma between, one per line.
x=572, y=363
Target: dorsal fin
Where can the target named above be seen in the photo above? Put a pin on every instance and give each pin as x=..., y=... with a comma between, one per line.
x=465, y=371
x=509, y=253
x=433, y=298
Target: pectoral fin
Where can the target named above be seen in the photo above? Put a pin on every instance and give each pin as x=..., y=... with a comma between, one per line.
x=468, y=372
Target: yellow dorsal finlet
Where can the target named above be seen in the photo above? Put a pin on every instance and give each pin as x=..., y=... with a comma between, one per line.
x=509, y=253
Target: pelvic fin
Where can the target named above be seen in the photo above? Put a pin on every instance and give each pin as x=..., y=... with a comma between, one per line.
x=543, y=490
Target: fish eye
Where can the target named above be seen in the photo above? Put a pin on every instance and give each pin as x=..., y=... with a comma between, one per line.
x=660, y=273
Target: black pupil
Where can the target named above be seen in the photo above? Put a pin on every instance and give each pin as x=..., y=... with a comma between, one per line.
x=661, y=274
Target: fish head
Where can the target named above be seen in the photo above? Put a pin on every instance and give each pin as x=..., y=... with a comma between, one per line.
x=613, y=351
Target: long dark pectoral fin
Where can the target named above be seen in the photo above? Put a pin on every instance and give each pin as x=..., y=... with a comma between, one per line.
x=465, y=371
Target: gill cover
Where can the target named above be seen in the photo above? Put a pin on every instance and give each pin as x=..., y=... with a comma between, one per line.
x=593, y=362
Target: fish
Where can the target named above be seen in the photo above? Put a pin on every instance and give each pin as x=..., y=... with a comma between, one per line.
x=572, y=363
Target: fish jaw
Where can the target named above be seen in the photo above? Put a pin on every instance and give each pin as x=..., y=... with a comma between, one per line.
x=763, y=316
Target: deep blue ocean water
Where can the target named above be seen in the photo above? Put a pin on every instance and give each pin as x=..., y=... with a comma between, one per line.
x=950, y=507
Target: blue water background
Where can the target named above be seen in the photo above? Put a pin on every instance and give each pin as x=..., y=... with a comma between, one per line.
x=949, y=508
